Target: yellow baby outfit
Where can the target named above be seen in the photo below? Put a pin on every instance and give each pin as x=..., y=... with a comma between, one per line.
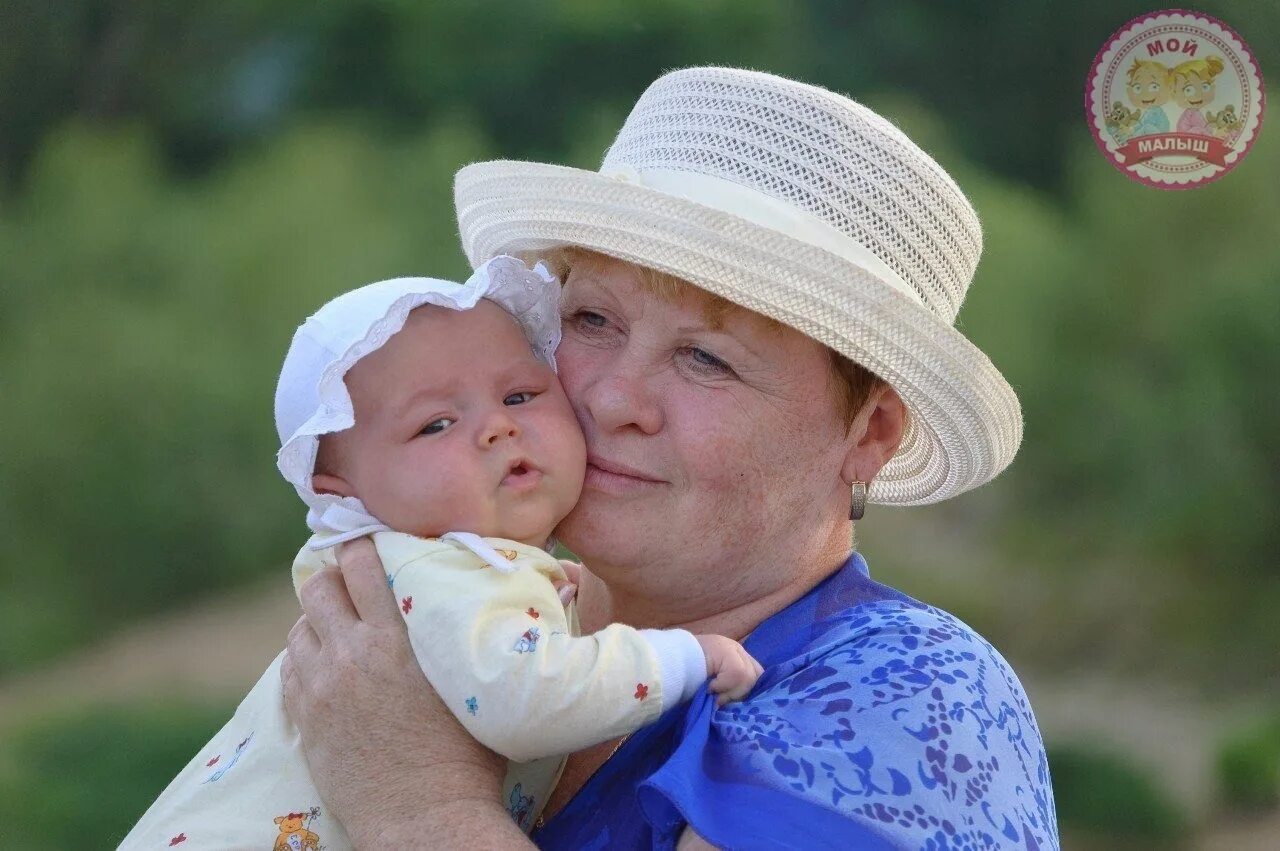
x=503, y=652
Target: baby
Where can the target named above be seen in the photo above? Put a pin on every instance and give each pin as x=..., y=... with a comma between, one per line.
x=427, y=414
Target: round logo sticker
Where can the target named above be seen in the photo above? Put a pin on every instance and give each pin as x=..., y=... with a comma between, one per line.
x=1174, y=99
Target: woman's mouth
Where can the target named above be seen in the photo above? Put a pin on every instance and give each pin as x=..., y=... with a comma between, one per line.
x=617, y=479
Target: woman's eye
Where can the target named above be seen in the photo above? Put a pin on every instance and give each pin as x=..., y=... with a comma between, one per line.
x=520, y=398
x=595, y=320
x=707, y=361
x=437, y=426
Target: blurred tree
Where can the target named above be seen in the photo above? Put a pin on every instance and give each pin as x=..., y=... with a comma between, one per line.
x=206, y=77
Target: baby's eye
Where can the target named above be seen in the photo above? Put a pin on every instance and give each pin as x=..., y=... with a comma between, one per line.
x=1204, y=86
x=521, y=397
x=437, y=426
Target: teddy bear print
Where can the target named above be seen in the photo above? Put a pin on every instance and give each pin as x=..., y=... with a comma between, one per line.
x=293, y=836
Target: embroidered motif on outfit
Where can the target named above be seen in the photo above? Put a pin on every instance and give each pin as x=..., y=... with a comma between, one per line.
x=294, y=833
x=406, y=605
x=509, y=555
x=533, y=613
x=178, y=840
x=520, y=806
x=473, y=705
x=230, y=764
x=642, y=691
x=529, y=641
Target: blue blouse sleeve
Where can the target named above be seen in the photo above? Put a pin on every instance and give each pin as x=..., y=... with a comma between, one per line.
x=903, y=729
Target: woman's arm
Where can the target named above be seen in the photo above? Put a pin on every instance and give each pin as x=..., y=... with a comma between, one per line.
x=388, y=757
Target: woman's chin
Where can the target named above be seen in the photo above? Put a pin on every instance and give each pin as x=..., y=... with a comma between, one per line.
x=596, y=527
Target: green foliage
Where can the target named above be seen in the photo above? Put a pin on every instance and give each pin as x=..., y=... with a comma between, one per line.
x=142, y=325
x=1101, y=793
x=1248, y=766
x=85, y=779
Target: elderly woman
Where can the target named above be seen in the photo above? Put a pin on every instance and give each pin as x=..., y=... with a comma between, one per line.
x=758, y=305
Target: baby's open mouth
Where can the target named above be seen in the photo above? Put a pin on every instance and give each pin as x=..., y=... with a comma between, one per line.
x=521, y=475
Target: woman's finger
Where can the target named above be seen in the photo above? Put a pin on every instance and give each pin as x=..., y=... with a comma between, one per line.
x=303, y=645
x=327, y=605
x=366, y=582
x=292, y=689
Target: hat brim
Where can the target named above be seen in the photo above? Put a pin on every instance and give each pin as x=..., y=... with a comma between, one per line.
x=964, y=420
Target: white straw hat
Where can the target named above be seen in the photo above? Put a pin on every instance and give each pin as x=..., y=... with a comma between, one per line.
x=801, y=205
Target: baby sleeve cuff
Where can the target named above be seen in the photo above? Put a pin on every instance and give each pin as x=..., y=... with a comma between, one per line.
x=681, y=663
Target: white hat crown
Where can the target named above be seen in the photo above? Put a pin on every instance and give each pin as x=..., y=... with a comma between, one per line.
x=845, y=178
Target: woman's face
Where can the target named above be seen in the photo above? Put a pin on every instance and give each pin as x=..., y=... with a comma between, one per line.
x=702, y=444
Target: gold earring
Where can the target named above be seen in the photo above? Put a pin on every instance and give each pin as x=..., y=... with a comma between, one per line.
x=859, y=501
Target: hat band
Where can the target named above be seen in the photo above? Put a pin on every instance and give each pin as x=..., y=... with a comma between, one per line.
x=760, y=209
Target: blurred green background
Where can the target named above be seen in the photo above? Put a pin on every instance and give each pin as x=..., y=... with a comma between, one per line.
x=181, y=184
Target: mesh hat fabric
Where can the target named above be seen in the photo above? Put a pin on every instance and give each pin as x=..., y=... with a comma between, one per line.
x=804, y=206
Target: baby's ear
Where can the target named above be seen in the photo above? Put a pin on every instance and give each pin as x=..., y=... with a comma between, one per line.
x=331, y=484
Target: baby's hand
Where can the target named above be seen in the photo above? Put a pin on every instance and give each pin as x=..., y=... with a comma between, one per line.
x=732, y=669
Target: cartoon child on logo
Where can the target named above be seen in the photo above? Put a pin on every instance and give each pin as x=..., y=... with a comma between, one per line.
x=1148, y=90
x=1192, y=62
x=1193, y=89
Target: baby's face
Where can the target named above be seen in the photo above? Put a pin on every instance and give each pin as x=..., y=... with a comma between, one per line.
x=1147, y=88
x=459, y=427
x=1190, y=92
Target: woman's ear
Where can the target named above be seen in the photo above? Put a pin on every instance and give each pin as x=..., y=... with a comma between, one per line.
x=878, y=431
x=331, y=484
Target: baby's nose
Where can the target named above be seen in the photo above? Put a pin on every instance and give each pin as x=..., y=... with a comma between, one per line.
x=499, y=427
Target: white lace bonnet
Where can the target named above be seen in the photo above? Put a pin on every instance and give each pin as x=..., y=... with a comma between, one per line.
x=312, y=400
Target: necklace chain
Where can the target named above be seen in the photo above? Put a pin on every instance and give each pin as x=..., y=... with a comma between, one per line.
x=542, y=819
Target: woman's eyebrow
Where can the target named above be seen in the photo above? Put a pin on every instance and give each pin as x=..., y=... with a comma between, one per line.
x=581, y=281
x=740, y=337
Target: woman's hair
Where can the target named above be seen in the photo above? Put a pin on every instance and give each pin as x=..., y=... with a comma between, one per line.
x=1157, y=67
x=854, y=384
x=1205, y=69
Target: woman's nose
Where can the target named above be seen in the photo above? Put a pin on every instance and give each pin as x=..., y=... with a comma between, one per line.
x=498, y=426
x=621, y=400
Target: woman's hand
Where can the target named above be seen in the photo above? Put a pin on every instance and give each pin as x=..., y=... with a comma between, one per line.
x=388, y=757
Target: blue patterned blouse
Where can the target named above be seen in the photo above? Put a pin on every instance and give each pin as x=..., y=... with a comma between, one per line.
x=880, y=722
